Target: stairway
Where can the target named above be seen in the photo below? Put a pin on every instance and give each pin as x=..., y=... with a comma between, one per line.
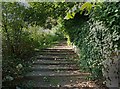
x=55, y=67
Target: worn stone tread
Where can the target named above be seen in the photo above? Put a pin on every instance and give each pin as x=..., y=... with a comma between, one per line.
x=54, y=67
x=57, y=56
x=58, y=50
x=56, y=73
x=55, y=53
x=53, y=62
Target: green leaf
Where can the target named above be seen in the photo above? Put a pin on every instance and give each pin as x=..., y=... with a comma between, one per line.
x=73, y=14
x=87, y=6
x=68, y=16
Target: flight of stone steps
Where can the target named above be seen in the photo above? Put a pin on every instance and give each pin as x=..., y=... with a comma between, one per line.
x=55, y=67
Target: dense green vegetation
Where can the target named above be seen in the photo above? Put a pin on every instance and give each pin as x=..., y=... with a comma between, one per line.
x=92, y=27
x=96, y=35
x=21, y=38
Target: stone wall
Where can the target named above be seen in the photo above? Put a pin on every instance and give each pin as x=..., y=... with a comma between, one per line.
x=111, y=71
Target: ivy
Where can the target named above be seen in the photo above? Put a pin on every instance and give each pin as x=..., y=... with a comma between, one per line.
x=92, y=27
x=96, y=35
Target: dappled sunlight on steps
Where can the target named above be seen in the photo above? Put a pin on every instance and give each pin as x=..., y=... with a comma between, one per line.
x=56, y=67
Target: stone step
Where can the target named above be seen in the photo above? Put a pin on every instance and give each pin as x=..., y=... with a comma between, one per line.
x=55, y=82
x=55, y=53
x=58, y=50
x=53, y=67
x=56, y=56
x=38, y=74
x=61, y=44
x=52, y=54
x=50, y=58
x=53, y=62
x=61, y=47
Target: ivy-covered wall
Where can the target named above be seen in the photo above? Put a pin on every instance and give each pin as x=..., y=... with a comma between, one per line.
x=97, y=36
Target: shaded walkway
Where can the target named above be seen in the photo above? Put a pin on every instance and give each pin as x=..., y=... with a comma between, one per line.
x=57, y=67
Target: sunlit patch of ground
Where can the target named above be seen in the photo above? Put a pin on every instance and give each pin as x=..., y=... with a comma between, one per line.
x=88, y=85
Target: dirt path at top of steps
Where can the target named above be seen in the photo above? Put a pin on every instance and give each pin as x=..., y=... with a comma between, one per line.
x=55, y=68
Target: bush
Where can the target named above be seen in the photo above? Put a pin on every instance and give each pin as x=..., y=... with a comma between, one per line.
x=16, y=63
x=96, y=35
